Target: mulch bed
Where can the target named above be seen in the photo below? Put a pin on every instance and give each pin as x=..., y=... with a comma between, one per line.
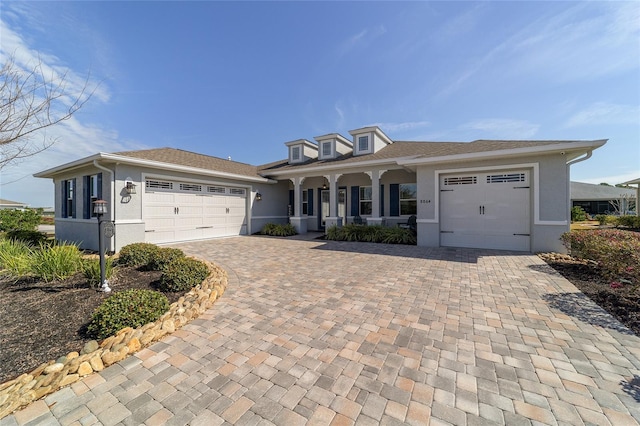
x=43, y=321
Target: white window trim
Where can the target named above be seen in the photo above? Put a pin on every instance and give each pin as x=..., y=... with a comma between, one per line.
x=360, y=201
x=293, y=149
x=369, y=149
x=331, y=149
x=400, y=199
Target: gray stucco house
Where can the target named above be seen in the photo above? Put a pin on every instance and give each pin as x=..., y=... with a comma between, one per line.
x=602, y=199
x=496, y=194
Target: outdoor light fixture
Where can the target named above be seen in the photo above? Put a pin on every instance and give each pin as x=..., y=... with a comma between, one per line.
x=130, y=187
x=324, y=185
x=100, y=209
x=258, y=196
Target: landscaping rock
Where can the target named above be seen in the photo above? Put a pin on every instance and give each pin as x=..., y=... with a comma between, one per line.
x=89, y=347
x=54, y=368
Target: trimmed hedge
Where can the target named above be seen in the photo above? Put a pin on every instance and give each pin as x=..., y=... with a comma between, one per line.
x=371, y=234
x=616, y=252
x=278, y=230
x=163, y=257
x=138, y=254
x=128, y=308
x=183, y=274
x=12, y=220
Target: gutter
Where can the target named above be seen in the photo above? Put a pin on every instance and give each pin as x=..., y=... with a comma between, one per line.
x=112, y=213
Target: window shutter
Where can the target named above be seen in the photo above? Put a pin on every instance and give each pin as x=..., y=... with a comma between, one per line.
x=73, y=200
x=310, y=202
x=355, y=200
x=394, y=199
x=292, y=209
x=381, y=200
x=63, y=199
x=99, y=194
x=86, y=197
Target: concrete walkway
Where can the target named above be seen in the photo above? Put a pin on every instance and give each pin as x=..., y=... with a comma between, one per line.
x=314, y=332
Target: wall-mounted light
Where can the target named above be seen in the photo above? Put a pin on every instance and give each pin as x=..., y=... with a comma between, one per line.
x=324, y=185
x=130, y=187
x=258, y=196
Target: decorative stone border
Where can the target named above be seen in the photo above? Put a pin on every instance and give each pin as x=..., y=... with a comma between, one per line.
x=53, y=375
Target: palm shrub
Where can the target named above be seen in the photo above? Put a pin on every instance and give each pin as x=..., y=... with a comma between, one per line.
x=15, y=258
x=137, y=254
x=56, y=262
x=183, y=274
x=128, y=308
x=164, y=256
x=91, y=270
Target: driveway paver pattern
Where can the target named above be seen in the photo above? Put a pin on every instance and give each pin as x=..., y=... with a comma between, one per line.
x=318, y=333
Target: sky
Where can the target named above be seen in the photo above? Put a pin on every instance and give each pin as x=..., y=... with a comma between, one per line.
x=239, y=79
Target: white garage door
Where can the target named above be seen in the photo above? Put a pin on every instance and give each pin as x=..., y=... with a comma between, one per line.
x=179, y=211
x=486, y=210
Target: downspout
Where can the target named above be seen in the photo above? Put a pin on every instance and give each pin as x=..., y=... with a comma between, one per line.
x=112, y=213
x=569, y=164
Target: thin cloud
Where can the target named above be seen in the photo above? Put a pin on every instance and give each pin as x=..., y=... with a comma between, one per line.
x=502, y=128
x=361, y=39
x=605, y=113
x=402, y=126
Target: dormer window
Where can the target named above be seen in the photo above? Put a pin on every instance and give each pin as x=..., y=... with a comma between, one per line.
x=363, y=143
x=326, y=149
x=295, y=153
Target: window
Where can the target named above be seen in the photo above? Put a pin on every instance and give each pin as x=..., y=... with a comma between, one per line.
x=363, y=143
x=366, y=205
x=217, y=189
x=326, y=149
x=158, y=184
x=513, y=177
x=237, y=191
x=295, y=153
x=68, y=198
x=305, y=202
x=408, y=199
x=93, y=193
x=190, y=187
x=462, y=180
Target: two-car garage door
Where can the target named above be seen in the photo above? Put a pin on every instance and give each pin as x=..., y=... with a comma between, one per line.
x=180, y=211
x=486, y=210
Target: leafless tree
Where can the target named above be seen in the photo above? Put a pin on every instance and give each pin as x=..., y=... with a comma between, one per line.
x=623, y=204
x=31, y=101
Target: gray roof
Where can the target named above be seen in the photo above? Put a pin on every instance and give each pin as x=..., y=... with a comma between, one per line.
x=12, y=203
x=590, y=192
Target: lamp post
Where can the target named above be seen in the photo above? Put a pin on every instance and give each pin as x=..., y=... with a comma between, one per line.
x=100, y=209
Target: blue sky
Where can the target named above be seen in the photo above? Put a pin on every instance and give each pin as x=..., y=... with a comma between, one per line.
x=239, y=79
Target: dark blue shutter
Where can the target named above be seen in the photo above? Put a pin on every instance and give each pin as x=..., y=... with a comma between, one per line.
x=394, y=199
x=381, y=200
x=292, y=209
x=63, y=201
x=99, y=194
x=86, y=197
x=310, y=202
x=355, y=201
x=75, y=197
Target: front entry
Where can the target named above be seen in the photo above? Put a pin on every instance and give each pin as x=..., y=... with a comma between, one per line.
x=325, y=196
x=324, y=206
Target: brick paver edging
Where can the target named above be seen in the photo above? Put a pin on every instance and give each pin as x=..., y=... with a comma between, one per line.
x=52, y=375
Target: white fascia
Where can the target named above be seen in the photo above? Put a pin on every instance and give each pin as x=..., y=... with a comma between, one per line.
x=582, y=147
x=344, y=168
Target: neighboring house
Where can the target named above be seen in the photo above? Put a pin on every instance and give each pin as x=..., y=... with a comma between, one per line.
x=635, y=182
x=510, y=195
x=12, y=205
x=601, y=199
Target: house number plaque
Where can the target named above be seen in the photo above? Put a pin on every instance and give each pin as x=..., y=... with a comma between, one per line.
x=109, y=229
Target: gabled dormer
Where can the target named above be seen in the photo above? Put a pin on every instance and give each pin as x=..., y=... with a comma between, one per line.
x=369, y=140
x=301, y=150
x=332, y=146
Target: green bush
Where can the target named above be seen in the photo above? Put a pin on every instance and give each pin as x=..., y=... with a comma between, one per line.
x=15, y=258
x=28, y=219
x=128, y=308
x=279, y=230
x=56, y=262
x=578, y=214
x=616, y=252
x=372, y=234
x=183, y=274
x=138, y=254
x=91, y=270
x=163, y=256
x=628, y=221
x=32, y=238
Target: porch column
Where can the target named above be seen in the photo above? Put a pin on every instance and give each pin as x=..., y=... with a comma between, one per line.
x=333, y=218
x=297, y=220
x=375, y=218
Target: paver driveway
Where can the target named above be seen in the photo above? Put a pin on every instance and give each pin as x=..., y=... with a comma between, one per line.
x=342, y=333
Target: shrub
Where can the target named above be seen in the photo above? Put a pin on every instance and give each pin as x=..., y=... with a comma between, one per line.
x=279, y=230
x=15, y=258
x=183, y=274
x=32, y=238
x=163, y=256
x=56, y=262
x=616, y=252
x=128, y=308
x=372, y=234
x=137, y=254
x=11, y=220
x=628, y=221
x=91, y=270
x=602, y=219
x=578, y=214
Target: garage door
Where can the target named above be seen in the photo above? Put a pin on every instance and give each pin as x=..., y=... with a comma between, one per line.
x=180, y=211
x=486, y=210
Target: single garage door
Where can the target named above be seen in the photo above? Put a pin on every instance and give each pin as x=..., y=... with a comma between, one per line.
x=486, y=210
x=180, y=211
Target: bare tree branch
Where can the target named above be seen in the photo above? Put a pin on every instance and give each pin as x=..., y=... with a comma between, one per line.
x=31, y=102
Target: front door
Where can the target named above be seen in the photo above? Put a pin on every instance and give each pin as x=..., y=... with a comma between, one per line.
x=324, y=206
